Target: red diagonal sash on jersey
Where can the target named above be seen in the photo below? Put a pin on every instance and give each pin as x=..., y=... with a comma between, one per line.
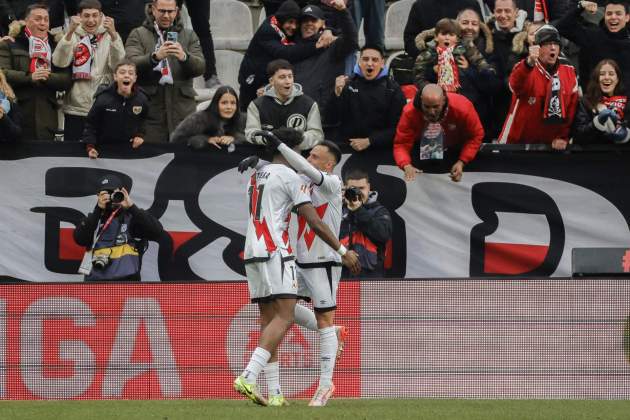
x=254, y=210
x=309, y=235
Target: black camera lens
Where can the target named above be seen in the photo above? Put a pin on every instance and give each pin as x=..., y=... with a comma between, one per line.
x=117, y=197
x=352, y=193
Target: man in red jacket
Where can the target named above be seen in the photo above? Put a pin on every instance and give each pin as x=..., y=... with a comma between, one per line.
x=437, y=121
x=544, y=95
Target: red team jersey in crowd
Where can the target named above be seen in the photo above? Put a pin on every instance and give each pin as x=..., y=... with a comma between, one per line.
x=272, y=191
x=326, y=199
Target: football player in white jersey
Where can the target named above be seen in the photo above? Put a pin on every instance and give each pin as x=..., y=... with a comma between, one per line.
x=319, y=267
x=273, y=191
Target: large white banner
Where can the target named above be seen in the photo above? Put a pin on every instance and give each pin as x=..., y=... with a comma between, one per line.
x=508, y=217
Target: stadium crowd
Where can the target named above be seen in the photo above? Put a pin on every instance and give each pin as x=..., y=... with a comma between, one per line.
x=559, y=65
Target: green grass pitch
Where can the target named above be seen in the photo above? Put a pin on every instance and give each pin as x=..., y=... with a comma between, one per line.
x=385, y=409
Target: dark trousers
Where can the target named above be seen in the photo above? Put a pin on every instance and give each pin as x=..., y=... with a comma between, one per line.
x=73, y=127
x=199, y=12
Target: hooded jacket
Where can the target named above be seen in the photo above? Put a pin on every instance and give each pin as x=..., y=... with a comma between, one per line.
x=524, y=123
x=78, y=100
x=115, y=119
x=317, y=73
x=596, y=42
x=368, y=108
x=38, y=100
x=299, y=112
x=367, y=231
x=424, y=14
x=266, y=46
x=460, y=122
x=170, y=103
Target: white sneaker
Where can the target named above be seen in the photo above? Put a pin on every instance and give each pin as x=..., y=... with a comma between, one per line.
x=322, y=395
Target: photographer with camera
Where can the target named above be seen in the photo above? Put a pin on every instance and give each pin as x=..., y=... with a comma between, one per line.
x=115, y=234
x=366, y=226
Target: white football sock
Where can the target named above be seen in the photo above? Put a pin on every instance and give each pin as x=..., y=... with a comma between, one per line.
x=259, y=359
x=272, y=374
x=305, y=317
x=328, y=353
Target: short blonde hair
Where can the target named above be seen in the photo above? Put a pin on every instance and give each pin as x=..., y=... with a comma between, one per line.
x=5, y=87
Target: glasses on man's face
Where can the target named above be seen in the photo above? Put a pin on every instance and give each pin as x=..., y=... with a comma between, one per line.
x=167, y=11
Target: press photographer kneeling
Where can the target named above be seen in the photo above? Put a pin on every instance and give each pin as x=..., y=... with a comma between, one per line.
x=116, y=234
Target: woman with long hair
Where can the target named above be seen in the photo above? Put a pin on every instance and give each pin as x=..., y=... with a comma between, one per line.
x=10, y=120
x=602, y=115
x=221, y=124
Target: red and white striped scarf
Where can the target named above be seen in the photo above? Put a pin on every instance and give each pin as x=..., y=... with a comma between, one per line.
x=84, y=56
x=541, y=13
x=273, y=21
x=39, y=50
x=447, y=71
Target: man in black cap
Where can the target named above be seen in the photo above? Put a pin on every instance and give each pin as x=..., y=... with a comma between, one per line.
x=317, y=73
x=115, y=234
x=544, y=95
x=272, y=40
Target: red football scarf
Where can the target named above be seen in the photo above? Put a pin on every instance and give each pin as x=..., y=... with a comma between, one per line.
x=276, y=27
x=84, y=55
x=540, y=11
x=447, y=71
x=39, y=50
x=616, y=103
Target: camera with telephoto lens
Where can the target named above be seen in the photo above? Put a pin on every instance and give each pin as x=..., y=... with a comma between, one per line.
x=117, y=197
x=100, y=261
x=353, y=194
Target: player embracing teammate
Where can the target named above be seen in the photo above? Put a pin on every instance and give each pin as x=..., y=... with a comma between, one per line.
x=274, y=189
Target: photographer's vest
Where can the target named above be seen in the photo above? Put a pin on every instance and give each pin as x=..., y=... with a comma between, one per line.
x=123, y=251
x=274, y=115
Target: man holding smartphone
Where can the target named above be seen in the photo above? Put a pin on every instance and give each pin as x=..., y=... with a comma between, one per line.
x=168, y=57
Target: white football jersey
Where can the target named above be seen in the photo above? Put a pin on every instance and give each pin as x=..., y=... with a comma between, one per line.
x=326, y=199
x=273, y=191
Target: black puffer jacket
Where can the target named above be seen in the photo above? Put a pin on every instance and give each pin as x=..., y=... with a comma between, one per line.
x=367, y=231
x=114, y=118
x=368, y=108
x=317, y=74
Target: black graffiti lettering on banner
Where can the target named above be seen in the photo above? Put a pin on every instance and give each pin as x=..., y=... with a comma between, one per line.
x=490, y=198
x=606, y=175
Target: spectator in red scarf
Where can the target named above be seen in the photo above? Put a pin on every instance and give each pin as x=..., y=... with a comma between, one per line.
x=544, y=95
x=602, y=116
x=28, y=66
x=91, y=47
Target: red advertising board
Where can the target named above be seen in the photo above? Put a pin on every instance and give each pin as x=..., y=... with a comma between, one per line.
x=134, y=341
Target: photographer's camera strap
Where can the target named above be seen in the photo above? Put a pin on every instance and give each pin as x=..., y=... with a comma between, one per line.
x=108, y=222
